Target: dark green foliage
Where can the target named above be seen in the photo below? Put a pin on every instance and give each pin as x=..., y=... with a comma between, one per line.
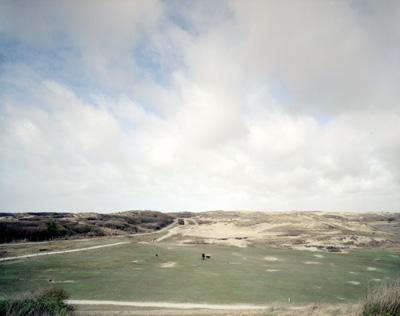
x=48, y=226
x=46, y=302
x=383, y=300
x=52, y=229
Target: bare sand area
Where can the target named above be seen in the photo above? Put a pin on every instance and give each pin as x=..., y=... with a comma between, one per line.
x=313, y=231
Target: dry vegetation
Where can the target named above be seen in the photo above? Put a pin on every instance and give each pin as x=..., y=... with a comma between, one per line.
x=383, y=299
x=42, y=302
x=314, y=231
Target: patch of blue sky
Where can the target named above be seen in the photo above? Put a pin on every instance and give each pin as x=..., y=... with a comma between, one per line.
x=177, y=13
x=198, y=16
x=59, y=62
x=280, y=91
x=43, y=59
x=153, y=63
x=321, y=117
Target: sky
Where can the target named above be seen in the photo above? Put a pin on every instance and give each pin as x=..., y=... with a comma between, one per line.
x=199, y=105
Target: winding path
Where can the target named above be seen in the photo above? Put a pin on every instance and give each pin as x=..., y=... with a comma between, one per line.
x=87, y=248
x=63, y=251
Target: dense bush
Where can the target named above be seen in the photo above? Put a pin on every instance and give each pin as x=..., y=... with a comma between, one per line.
x=383, y=300
x=33, y=230
x=46, y=302
x=48, y=226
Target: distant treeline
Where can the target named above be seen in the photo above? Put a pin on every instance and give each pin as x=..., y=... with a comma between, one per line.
x=46, y=226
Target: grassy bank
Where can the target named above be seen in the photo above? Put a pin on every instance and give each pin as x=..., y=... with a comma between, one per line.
x=49, y=301
x=383, y=300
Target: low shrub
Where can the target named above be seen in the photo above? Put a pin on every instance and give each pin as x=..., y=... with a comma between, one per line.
x=382, y=300
x=46, y=302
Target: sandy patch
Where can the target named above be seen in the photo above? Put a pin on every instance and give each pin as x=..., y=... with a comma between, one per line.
x=352, y=272
x=66, y=281
x=180, y=244
x=371, y=269
x=188, y=241
x=235, y=263
x=227, y=232
x=272, y=270
x=270, y=259
x=318, y=256
x=240, y=243
x=302, y=248
x=169, y=264
x=312, y=262
x=353, y=282
x=376, y=280
x=135, y=261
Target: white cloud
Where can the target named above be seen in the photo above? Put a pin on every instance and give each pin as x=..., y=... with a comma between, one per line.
x=265, y=105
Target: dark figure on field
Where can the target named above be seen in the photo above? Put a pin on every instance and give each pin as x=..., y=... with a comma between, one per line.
x=156, y=254
x=208, y=257
x=203, y=256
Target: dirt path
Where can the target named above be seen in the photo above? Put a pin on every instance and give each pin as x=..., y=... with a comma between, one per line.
x=86, y=248
x=63, y=251
x=170, y=305
x=195, y=222
x=15, y=244
x=89, y=239
x=167, y=235
x=156, y=231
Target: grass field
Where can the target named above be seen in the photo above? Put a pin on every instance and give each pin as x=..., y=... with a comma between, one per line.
x=132, y=272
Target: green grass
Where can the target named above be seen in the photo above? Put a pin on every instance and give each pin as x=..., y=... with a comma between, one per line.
x=232, y=275
x=49, y=301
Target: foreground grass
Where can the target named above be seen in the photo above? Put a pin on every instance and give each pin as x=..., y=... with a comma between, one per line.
x=46, y=302
x=383, y=300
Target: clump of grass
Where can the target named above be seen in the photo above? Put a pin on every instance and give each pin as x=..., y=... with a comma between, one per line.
x=383, y=300
x=46, y=302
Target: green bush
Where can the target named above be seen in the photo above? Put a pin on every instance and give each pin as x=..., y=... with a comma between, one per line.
x=383, y=300
x=46, y=302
